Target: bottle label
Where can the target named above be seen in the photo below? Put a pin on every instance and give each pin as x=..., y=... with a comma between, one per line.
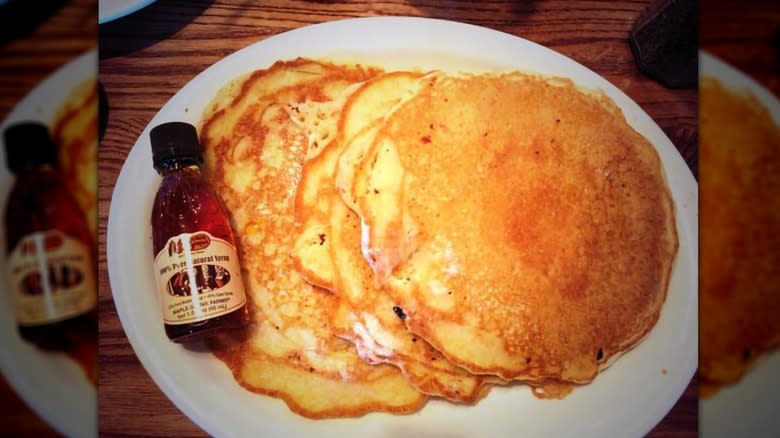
x=52, y=278
x=209, y=263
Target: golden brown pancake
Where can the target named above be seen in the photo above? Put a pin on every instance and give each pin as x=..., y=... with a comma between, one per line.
x=366, y=315
x=524, y=228
x=74, y=130
x=373, y=322
x=254, y=154
x=311, y=250
x=740, y=218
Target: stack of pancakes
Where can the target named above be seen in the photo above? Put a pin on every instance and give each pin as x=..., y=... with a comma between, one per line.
x=406, y=235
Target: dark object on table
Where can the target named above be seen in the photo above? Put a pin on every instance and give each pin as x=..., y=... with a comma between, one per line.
x=20, y=17
x=664, y=40
x=776, y=45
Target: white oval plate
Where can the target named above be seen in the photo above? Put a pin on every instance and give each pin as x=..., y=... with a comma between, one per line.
x=52, y=384
x=748, y=408
x=110, y=10
x=627, y=400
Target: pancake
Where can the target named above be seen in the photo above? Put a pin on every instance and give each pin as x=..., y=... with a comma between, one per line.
x=311, y=250
x=373, y=322
x=244, y=91
x=364, y=312
x=363, y=117
x=254, y=153
x=740, y=218
x=522, y=226
x=74, y=130
x=351, y=156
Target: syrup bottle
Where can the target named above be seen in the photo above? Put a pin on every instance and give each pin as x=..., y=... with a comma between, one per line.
x=193, y=242
x=49, y=247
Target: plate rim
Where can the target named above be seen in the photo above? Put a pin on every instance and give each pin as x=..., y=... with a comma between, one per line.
x=108, y=17
x=725, y=71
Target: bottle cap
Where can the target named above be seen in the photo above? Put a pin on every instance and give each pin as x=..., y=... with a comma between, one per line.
x=175, y=140
x=28, y=145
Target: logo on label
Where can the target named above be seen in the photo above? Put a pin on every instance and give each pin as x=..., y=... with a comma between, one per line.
x=207, y=277
x=61, y=277
x=198, y=242
x=199, y=277
x=51, y=277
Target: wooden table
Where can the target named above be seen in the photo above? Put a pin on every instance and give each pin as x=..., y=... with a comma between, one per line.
x=148, y=56
x=745, y=36
x=24, y=62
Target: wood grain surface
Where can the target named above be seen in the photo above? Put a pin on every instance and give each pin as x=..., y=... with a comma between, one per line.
x=148, y=56
x=745, y=35
x=25, y=61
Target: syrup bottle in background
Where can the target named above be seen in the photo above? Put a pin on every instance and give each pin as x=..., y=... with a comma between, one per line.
x=193, y=242
x=49, y=247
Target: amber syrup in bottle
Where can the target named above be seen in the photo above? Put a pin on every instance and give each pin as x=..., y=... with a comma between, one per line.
x=49, y=247
x=196, y=262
